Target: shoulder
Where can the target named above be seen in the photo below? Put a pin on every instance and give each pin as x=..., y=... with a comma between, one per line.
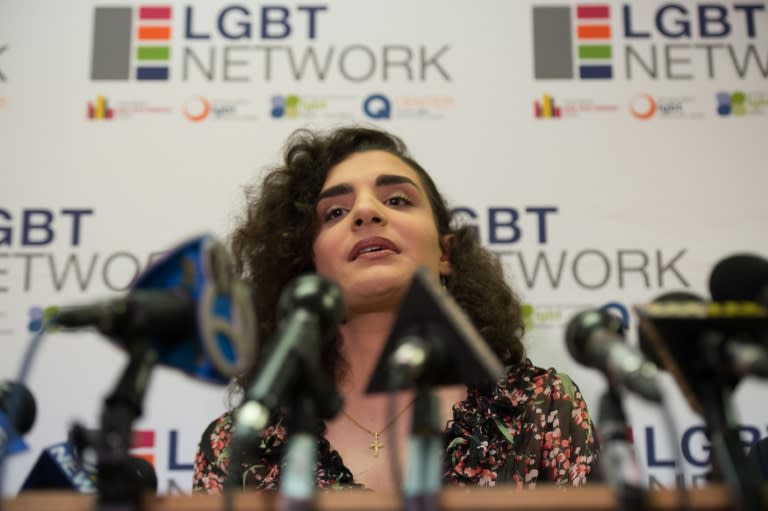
x=211, y=457
x=544, y=396
x=216, y=436
x=527, y=382
x=257, y=465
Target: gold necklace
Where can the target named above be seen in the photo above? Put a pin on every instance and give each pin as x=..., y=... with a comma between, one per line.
x=376, y=445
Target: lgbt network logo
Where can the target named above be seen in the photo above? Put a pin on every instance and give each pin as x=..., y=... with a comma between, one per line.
x=554, y=28
x=131, y=43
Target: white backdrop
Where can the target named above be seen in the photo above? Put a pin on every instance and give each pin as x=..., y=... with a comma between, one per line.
x=85, y=201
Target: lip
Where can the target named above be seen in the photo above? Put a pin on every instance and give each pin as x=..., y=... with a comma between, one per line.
x=376, y=241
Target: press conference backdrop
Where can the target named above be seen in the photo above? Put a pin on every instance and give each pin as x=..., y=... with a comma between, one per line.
x=607, y=152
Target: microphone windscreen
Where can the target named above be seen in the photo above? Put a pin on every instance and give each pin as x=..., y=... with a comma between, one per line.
x=740, y=277
x=581, y=327
x=145, y=472
x=16, y=400
x=647, y=346
x=316, y=294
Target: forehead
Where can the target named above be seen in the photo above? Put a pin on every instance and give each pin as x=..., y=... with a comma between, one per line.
x=367, y=165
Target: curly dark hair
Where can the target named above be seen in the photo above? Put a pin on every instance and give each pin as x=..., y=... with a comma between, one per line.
x=272, y=243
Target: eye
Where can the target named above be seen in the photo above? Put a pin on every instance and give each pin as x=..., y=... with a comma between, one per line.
x=398, y=200
x=333, y=214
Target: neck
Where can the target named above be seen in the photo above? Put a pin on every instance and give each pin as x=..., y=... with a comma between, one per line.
x=364, y=336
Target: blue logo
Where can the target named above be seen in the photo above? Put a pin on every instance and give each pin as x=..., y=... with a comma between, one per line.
x=377, y=106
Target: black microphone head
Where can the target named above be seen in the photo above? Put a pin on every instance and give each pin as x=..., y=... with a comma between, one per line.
x=580, y=328
x=740, y=277
x=316, y=294
x=16, y=399
x=646, y=345
x=145, y=473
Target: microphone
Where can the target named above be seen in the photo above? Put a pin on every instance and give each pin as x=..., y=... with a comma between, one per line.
x=432, y=342
x=145, y=472
x=197, y=316
x=63, y=466
x=17, y=415
x=309, y=307
x=740, y=277
x=595, y=338
x=59, y=466
x=738, y=353
x=645, y=342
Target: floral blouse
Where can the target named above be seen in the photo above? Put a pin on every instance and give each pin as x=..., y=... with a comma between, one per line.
x=531, y=426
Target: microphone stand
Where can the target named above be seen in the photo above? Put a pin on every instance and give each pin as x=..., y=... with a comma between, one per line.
x=729, y=463
x=297, y=485
x=618, y=456
x=119, y=486
x=423, y=480
x=293, y=376
x=431, y=343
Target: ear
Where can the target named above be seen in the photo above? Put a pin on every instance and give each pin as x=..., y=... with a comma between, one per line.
x=447, y=242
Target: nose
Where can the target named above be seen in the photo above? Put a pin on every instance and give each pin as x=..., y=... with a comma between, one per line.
x=369, y=211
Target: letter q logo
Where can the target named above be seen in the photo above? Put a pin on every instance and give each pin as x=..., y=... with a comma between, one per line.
x=377, y=106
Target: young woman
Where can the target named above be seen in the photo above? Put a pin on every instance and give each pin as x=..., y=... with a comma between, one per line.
x=353, y=206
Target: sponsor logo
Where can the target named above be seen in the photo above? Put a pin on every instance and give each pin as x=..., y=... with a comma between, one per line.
x=739, y=104
x=547, y=108
x=645, y=106
x=119, y=52
x=99, y=109
x=103, y=109
x=292, y=106
x=383, y=107
x=555, y=316
x=199, y=108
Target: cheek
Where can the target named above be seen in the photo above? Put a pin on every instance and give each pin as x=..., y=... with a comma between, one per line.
x=321, y=252
x=429, y=243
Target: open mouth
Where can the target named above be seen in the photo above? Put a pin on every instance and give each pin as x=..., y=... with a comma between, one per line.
x=371, y=249
x=372, y=246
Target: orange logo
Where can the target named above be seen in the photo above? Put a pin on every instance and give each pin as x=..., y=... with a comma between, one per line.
x=196, y=109
x=642, y=107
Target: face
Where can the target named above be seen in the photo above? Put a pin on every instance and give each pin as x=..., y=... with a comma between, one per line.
x=376, y=228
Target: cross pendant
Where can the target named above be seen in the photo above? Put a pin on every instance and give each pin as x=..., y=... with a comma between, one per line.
x=375, y=445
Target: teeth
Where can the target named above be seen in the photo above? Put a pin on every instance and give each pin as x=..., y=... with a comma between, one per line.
x=371, y=249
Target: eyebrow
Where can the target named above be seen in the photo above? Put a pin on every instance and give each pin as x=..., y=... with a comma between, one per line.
x=382, y=180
